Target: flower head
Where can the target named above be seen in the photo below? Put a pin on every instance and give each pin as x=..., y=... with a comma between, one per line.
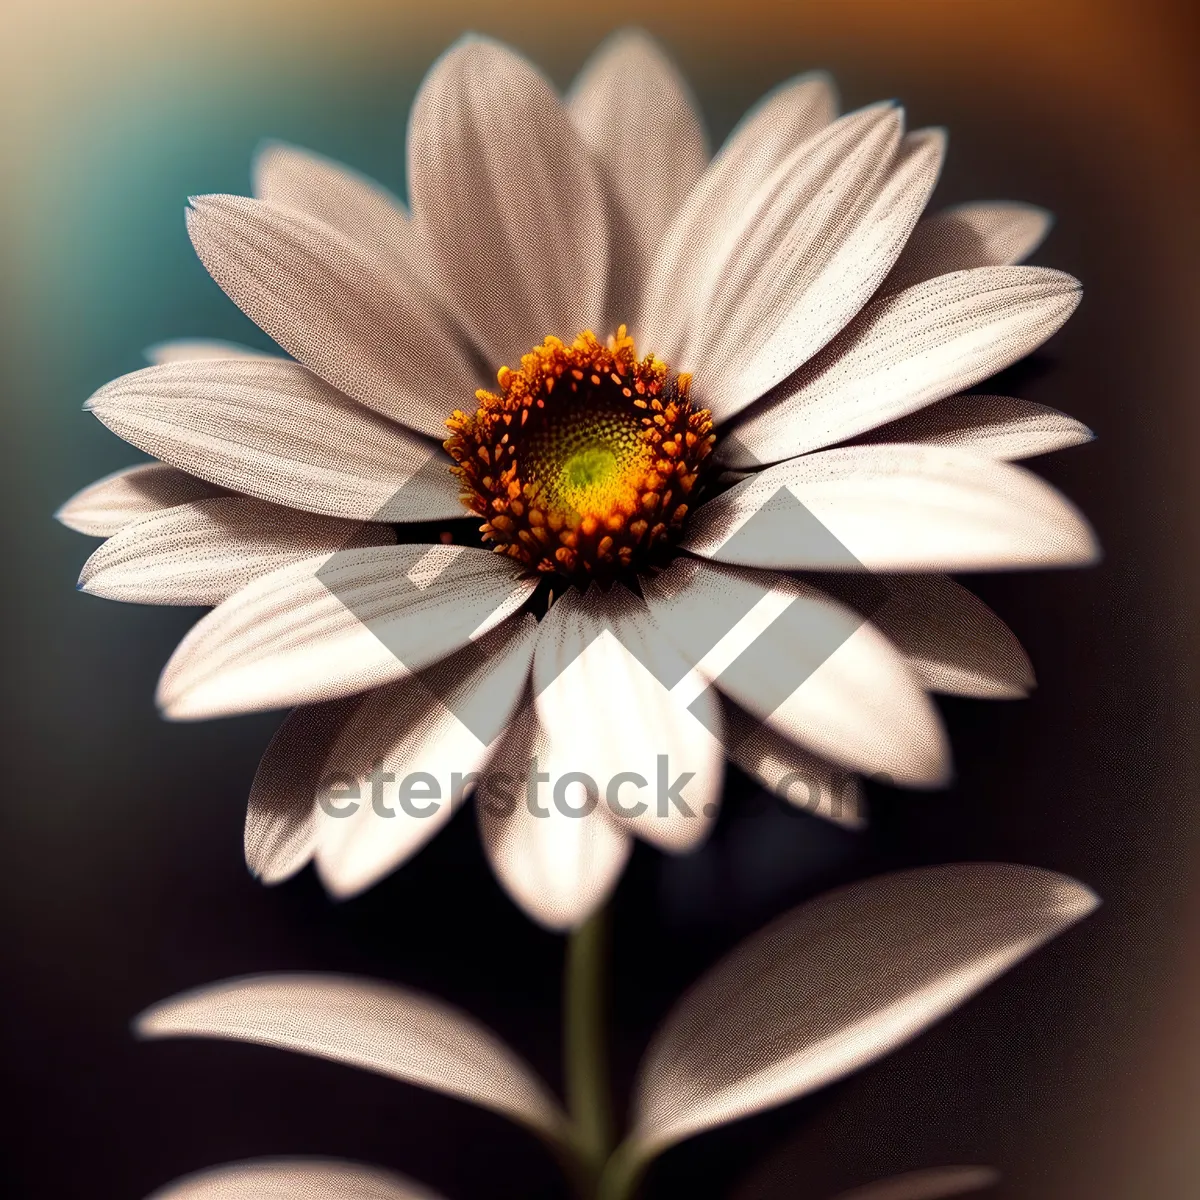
x=593, y=479
x=676, y=452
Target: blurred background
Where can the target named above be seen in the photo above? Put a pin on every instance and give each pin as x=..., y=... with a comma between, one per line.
x=1077, y=1075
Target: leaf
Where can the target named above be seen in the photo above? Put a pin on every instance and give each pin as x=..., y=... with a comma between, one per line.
x=293, y=1179
x=380, y=1027
x=836, y=984
x=932, y=1184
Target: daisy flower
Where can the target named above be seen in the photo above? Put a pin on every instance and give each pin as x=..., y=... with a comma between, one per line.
x=699, y=413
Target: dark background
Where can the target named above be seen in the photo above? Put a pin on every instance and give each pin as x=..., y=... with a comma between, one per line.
x=1077, y=1074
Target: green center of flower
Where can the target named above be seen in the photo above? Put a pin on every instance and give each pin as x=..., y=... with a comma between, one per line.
x=588, y=471
x=586, y=461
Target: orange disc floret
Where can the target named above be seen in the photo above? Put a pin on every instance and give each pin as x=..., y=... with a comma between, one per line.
x=588, y=459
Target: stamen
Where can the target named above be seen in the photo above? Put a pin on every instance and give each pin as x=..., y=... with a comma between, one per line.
x=588, y=459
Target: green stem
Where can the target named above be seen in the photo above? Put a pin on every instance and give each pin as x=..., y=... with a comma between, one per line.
x=585, y=1003
x=622, y=1173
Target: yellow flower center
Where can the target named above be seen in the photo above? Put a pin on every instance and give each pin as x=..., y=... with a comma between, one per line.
x=586, y=461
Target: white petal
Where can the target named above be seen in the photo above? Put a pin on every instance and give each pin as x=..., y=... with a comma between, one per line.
x=932, y=1184
x=814, y=670
x=293, y=1179
x=559, y=868
x=199, y=350
x=836, y=984
x=952, y=641
x=275, y=431
x=810, y=783
x=815, y=246
x=332, y=626
x=893, y=508
x=383, y=1028
x=357, y=207
x=617, y=702
x=793, y=215
x=969, y=235
x=203, y=552
x=506, y=197
x=785, y=119
x=994, y=426
x=362, y=324
x=108, y=505
x=908, y=350
x=639, y=120
x=439, y=724
x=281, y=818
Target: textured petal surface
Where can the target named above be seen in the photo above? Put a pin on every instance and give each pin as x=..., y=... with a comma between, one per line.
x=409, y=751
x=906, y=351
x=815, y=244
x=812, y=784
x=505, y=195
x=969, y=235
x=281, y=816
x=994, y=426
x=203, y=552
x=293, y=1179
x=838, y=982
x=786, y=118
x=793, y=223
x=275, y=431
x=811, y=668
x=358, y=208
x=933, y=1184
x=200, y=350
x=952, y=641
x=108, y=505
x=383, y=1028
x=359, y=322
x=559, y=868
x=330, y=627
x=896, y=508
x=617, y=700
x=641, y=124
